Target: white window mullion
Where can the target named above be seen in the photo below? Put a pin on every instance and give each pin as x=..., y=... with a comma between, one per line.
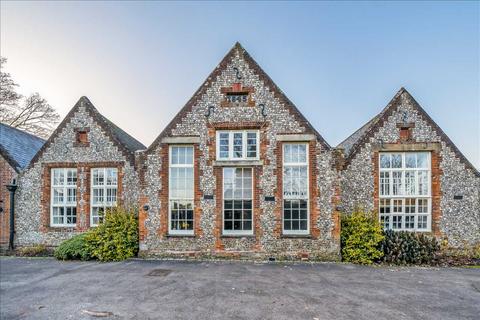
x=181, y=190
x=63, y=213
x=236, y=201
x=409, y=189
x=231, y=145
x=101, y=188
x=295, y=204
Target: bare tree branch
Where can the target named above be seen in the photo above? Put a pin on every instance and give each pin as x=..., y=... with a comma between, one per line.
x=32, y=114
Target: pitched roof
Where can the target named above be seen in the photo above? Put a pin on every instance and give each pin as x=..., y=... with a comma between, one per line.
x=237, y=48
x=18, y=147
x=349, y=143
x=125, y=142
x=355, y=142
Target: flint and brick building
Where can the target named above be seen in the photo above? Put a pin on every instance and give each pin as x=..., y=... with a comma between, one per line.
x=240, y=172
x=86, y=166
x=404, y=167
x=17, y=148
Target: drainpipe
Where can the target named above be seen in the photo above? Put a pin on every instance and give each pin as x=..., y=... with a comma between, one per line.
x=12, y=187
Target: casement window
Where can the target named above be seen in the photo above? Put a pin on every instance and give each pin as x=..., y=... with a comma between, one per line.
x=181, y=190
x=237, y=145
x=295, y=188
x=104, y=186
x=237, y=201
x=63, y=211
x=405, y=192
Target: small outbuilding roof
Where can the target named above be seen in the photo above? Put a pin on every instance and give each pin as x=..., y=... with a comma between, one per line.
x=18, y=147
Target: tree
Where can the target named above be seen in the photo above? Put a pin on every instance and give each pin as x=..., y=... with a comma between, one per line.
x=32, y=114
x=8, y=96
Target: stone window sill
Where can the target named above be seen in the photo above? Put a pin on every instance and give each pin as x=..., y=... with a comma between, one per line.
x=237, y=163
x=296, y=236
x=180, y=236
x=237, y=236
x=62, y=229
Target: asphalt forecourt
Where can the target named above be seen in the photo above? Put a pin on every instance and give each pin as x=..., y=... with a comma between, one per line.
x=44, y=288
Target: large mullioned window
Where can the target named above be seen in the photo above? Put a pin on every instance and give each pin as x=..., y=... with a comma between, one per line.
x=63, y=211
x=295, y=188
x=405, y=193
x=104, y=184
x=181, y=190
x=237, y=145
x=237, y=201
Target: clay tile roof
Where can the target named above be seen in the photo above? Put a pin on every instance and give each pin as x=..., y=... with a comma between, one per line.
x=18, y=147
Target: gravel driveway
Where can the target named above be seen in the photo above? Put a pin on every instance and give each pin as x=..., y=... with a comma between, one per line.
x=43, y=288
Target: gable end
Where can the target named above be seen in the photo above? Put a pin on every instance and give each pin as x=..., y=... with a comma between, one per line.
x=104, y=123
x=378, y=121
x=268, y=82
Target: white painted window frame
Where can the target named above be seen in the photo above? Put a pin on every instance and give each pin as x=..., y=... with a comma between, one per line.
x=65, y=203
x=172, y=199
x=296, y=164
x=244, y=145
x=403, y=196
x=237, y=232
x=105, y=204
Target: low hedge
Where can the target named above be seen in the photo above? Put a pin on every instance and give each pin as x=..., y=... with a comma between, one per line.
x=115, y=239
x=73, y=249
x=404, y=247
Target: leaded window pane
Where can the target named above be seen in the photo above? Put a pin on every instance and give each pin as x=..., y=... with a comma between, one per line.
x=411, y=160
x=237, y=145
x=385, y=161
x=251, y=145
x=396, y=160
x=422, y=160
x=384, y=183
x=224, y=144
x=397, y=182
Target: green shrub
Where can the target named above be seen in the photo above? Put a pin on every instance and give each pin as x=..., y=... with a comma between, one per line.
x=73, y=249
x=360, y=237
x=38, y=250
x=403, y=247
x=116, y=238
x=476, y=252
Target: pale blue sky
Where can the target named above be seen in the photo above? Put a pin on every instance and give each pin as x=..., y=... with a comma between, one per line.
x=340, y=63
